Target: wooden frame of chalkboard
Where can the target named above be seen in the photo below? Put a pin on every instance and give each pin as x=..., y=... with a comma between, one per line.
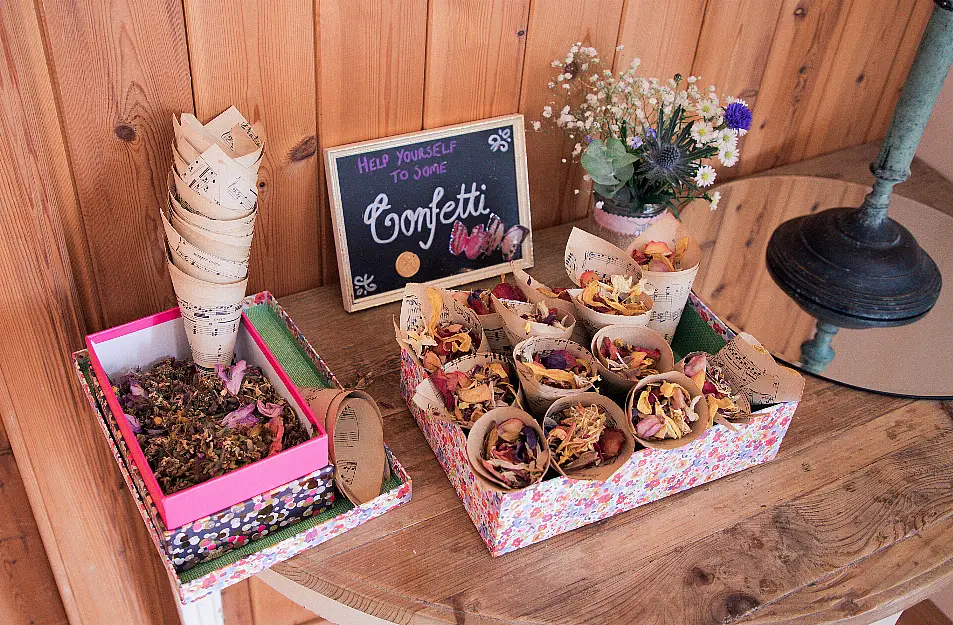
x=395, y=215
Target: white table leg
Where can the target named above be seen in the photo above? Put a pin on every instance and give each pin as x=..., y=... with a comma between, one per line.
x=207, y=611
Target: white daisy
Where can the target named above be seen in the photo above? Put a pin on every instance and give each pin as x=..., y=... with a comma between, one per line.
x=708, y=108
x=537, y=126
x=728, y=156
x=715, y=198
x=726, y=138
x=705, y=176
x=702, y=132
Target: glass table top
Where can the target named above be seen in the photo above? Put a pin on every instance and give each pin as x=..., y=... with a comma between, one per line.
x=911, y=360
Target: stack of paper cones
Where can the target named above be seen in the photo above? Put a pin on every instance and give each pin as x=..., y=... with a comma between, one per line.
x=209, y=223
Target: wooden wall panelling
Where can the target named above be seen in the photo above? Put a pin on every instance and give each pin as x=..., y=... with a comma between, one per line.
x=103, y=564
x=554, y=26
x=370, y=90
x=122, y=70
x=912, y=33
x=259, y=56
x=474, y=59
x=663, y=35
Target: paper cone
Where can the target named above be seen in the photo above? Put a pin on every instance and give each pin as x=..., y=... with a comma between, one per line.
x=430, y=400
x=587, y=252
x=211, y=242
x=515, y=326
x=669, y=290
x=211, y=314
x=231, y=132
x=594, y=321
x=200, y=264
x=698, y=405
x=616, y=419
x=415, y=313
x=237, y=232
x=355, y=429
x=539, y=397
x=478, y=433
x=209, y=207
x=530, y=288
x=638, y=336
x=492, y=326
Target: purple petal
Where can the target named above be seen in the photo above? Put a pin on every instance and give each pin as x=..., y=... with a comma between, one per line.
x=240, y=416
x=136, y=390
x=232, y=377
x=532, y=440
x=269, y=410
x=133, y=423
x=558, y=359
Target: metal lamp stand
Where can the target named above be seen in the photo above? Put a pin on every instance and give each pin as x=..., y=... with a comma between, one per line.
x=856, y=267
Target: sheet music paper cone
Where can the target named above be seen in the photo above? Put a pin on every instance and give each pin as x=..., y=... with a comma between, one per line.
x=669, y=289
x=211, y=314
x=199, y=263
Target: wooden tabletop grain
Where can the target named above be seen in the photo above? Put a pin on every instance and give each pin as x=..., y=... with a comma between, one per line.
x=852, y=521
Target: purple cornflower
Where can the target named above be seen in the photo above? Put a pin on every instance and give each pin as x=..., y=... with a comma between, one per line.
x=651, y=133
x=738, y=116
x=588, y=138
x=636, y=142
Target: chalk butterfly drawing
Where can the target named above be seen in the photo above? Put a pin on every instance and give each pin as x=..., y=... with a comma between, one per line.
x=364, y=285
x=483, y=240
x=501, y=140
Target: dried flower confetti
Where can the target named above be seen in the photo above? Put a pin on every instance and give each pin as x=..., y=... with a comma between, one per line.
x=630, y=361
x=619, y=296
x=512, y=454
x=561, y=369
x=471, y=394
x=722, y=404
x=663, y=411
x=658, y=256
x=584, y=437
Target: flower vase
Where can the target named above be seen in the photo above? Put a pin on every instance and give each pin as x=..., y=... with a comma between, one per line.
x=617, y=227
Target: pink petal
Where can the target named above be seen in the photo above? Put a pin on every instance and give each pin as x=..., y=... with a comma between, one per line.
x=232, y=377
x=695, y=365
x=240, y=416
x=648, y=427
x=269, y=410
x=277, y=427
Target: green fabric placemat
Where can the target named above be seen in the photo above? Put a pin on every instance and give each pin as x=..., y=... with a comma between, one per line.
x=694, y=335
x=286, y=349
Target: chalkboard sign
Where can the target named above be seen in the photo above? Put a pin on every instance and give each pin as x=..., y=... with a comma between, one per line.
x=443, y=206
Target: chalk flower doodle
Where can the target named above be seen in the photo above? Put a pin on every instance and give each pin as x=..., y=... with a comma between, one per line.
x=364, y=285
x=500, y=140
x=483, y=240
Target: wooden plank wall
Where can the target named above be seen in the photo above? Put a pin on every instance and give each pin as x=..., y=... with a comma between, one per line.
x=89, y=88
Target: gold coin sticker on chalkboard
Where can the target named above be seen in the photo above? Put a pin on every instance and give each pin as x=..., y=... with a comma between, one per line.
x=408, y=264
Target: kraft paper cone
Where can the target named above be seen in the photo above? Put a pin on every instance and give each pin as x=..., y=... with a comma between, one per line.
x=475, y=445
x=539, y=397
x=637, y=336
x=616, y=419
x=416, y=312
x=429, y=399
x=237, y=232
x=355, y=428
x=594, y=321
x=530, y=288
x=715, y=375
x=211, y=242
x=515, y=326
x=211, y=314
x=198, y=263
x=492, y=326
x=753, y=372
x=669, y=290
x=698, y=405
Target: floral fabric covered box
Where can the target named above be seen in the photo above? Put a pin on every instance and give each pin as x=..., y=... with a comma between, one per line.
x=240, y=561
x=508, y=521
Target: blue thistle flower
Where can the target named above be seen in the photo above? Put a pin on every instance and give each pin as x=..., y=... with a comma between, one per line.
x=738, y=116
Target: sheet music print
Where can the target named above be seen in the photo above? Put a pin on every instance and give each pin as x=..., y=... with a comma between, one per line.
x=202, y=263
x=347, y=429
x=224, y=322
x=668, y=303
x=756, y=373
x=218, y=178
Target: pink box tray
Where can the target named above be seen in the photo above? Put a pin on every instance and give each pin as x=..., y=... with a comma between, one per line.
x=509, y=521
x=140, y=343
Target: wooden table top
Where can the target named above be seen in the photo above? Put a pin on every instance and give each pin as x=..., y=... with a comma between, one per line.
x=853, y=519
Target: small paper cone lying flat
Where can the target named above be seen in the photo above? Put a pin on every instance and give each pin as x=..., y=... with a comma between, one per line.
x=539, y=396
x=616, y=419
x=637, y=336
x=478, y=434
x=669, y=289
x=429, y=399
x=751, y=370
x=698, y=405
x=211, y=314
x=516, y=327
x=355, y=429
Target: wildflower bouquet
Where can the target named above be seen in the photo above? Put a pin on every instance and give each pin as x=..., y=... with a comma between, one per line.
x=644, y=143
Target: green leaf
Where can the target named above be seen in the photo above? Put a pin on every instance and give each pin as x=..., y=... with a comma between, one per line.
x=608, y=163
